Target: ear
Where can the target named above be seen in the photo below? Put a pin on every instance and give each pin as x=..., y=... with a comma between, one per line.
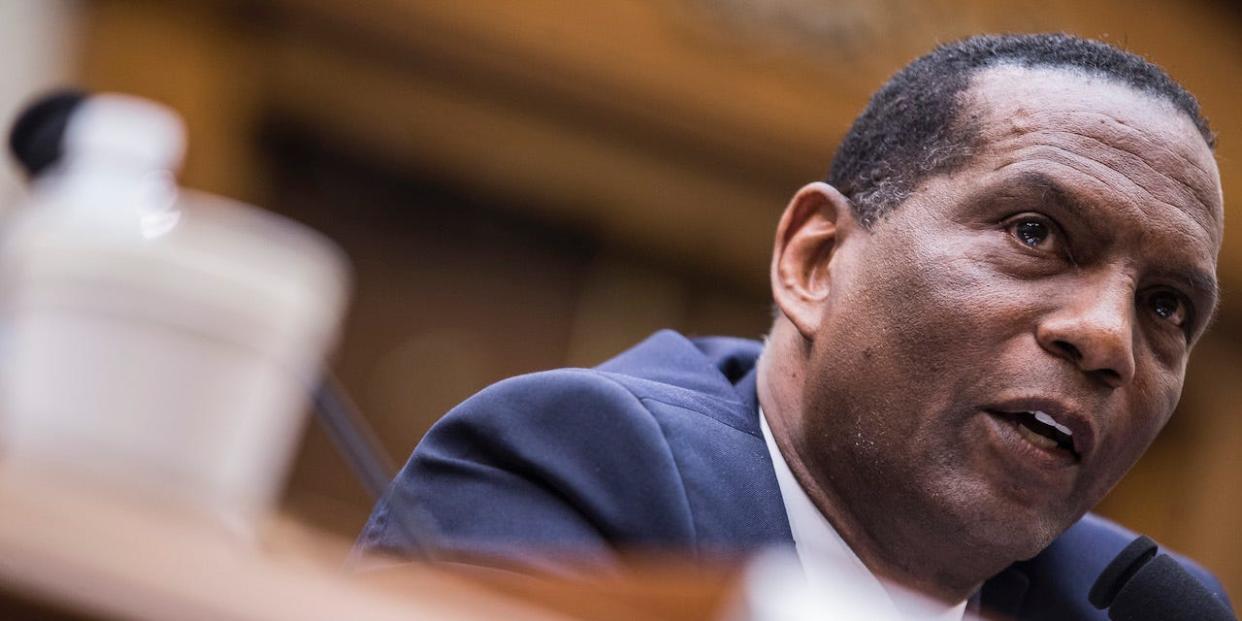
x=810, y=231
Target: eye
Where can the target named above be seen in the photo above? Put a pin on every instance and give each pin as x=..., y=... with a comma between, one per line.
x=1170, y=307
x=1034, y=231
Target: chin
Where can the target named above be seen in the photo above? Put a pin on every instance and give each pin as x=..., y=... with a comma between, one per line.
x=991, y=526
x=1020, y=544
x=1015, y=537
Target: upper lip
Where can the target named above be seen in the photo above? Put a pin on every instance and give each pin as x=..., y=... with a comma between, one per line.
x=1064, y=413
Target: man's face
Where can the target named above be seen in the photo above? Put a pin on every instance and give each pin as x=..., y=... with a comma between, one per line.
x=1067, y=269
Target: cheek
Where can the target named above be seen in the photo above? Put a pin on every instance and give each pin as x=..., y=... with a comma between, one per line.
x=916, y=330
x=1143, y=415
x=1130, y=426
x=942, y=307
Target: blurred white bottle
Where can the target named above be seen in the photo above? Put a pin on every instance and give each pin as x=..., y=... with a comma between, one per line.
x=158, y=340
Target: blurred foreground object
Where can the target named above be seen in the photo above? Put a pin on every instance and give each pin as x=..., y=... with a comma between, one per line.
x=70, y=551
x=775, y=587
x=157, y=340
x=159, y=349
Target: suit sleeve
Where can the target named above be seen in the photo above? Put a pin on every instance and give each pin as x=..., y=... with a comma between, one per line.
x=539, y=470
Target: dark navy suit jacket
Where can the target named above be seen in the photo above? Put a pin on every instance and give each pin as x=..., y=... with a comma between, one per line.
x=658, y=448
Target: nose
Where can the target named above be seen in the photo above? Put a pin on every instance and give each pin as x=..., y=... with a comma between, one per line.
x=1093, y=328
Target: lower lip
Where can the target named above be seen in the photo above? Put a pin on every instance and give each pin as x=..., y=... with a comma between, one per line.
x=1031, y=457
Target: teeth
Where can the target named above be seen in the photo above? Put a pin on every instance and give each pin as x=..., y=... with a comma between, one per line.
x=1035, y=438
x=1044, y=418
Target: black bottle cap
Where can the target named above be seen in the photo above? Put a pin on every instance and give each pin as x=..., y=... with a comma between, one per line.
x=37, y=137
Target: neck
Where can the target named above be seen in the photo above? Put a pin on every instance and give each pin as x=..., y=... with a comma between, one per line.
x=930, y=565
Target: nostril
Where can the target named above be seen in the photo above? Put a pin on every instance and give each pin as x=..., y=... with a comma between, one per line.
x=1107, y=376
x=1069, y=350
x=1104, y=373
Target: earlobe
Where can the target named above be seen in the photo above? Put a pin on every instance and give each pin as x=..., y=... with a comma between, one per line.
x=810, y=231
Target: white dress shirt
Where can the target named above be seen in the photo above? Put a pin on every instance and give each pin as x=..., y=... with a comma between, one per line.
x=833, y=568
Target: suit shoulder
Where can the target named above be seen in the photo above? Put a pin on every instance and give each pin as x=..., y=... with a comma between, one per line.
x=561, y=417
x=562, y=396
x=564, y=460
x=567, y=382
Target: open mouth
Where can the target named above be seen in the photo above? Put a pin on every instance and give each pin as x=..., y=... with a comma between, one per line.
x=1042, y=430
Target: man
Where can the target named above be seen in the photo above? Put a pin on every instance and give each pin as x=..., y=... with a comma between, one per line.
x=983, y=320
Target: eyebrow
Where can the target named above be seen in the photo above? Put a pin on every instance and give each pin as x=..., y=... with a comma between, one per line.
x=1203, y=284
x=1051, y=188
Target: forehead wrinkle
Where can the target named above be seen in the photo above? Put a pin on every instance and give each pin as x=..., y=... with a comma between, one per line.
x=1073, y=160
x=1188, y=192
x=1205, y=178
x=979, y=97
x=1052, y=97
x=1158, y=140
x=1208, y=176
x=1091, y=166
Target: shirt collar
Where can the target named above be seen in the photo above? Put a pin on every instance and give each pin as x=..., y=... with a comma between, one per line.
x=832, y=568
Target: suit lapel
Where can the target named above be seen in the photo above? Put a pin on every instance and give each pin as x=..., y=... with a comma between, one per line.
x=1001, y=597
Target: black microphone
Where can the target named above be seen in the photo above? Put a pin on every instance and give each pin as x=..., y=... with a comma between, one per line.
x=1141, y=585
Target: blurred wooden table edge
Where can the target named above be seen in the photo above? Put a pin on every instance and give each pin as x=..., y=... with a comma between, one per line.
x=107, y=555
x=647, y=586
